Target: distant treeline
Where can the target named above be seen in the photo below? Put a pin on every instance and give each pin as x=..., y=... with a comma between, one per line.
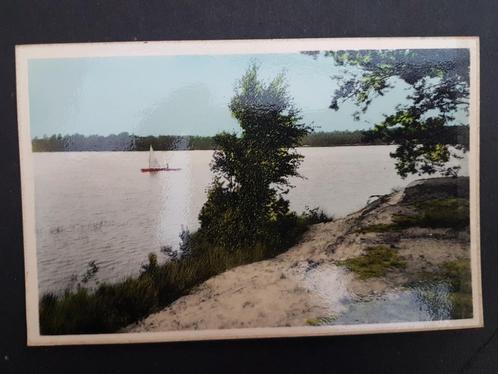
x=339, y=138
x=120, y=142
x=129, y=142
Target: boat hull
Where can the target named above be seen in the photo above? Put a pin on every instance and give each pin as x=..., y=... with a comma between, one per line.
x=154, y=170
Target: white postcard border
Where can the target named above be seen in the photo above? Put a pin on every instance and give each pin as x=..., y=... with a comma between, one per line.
x=162, y=48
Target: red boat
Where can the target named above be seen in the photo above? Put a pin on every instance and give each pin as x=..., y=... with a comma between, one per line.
x=154, y=164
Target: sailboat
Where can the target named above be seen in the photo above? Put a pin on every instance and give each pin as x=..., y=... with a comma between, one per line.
x=154, y=165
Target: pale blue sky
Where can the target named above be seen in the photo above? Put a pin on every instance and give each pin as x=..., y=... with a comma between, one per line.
x=178, y=95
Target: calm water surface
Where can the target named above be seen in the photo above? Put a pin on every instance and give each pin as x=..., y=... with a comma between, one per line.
x=98, y=206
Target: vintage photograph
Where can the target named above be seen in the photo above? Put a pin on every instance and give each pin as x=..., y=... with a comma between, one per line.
x=240, y=189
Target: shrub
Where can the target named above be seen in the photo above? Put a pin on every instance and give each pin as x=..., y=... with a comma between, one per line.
x=252, y=168
x=315, y=215
x=244, y=219
x=111, y=307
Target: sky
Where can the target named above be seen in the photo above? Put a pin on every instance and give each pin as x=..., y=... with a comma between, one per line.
x=180, y=95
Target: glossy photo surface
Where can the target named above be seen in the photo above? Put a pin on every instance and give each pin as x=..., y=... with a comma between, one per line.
x=241, y=189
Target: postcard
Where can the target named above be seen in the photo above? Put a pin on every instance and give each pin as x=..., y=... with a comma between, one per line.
x=194, y=190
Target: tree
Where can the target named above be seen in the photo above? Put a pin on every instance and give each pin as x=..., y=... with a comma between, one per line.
x=423, y=128
x=252, y=169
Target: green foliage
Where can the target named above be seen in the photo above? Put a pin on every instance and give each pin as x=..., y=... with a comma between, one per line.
x=440, y=83
x=461, y=305
x=446, y=213
x=113, y=306
x=315, y=215
x=440, y=77
x=245, y=218
x=127, y=142
x=423, y=145
x=339, y=138
x=457, y=275
x=152, y=265
x=375, y=262
x=119, y=142
x=321, y=321
x=245, y=204
x=172, y=142
x=451, y=213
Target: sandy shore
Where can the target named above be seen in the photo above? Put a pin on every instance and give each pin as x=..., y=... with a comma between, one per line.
x=307, y=284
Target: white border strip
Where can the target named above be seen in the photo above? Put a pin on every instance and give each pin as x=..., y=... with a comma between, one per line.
x=225, y=47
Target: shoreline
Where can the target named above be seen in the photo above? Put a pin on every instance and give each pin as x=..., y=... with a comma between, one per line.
x=211, y=150
x=384, y=261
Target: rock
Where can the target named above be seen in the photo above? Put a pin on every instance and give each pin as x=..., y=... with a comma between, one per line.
x=436, y=188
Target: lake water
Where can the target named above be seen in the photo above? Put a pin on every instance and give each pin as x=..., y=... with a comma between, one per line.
x=99, y=206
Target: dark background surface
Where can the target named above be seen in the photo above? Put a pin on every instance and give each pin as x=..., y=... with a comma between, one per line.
x=467, y=351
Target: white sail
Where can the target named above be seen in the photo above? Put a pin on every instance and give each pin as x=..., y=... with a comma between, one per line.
x=153, y=163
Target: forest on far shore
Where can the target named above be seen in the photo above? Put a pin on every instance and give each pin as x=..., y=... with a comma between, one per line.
x=130, y=142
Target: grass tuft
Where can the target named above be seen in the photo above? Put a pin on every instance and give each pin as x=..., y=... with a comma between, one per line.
x=321, y=321
x=375, y=262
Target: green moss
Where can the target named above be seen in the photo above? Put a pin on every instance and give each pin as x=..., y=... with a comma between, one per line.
x=375, y=262
x=438, y=213
x=453, y=213
x=320, y=321
x=457, y=275
x=461, y=305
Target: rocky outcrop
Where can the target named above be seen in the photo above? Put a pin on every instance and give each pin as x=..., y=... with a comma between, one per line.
x=436, y=188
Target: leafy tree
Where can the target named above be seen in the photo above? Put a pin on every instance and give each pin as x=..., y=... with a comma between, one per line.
x=422, y=128
x=252, y=168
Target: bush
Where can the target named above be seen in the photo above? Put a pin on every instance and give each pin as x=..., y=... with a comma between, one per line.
x=111, y=307
x=315, y=215
x=244, y=219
